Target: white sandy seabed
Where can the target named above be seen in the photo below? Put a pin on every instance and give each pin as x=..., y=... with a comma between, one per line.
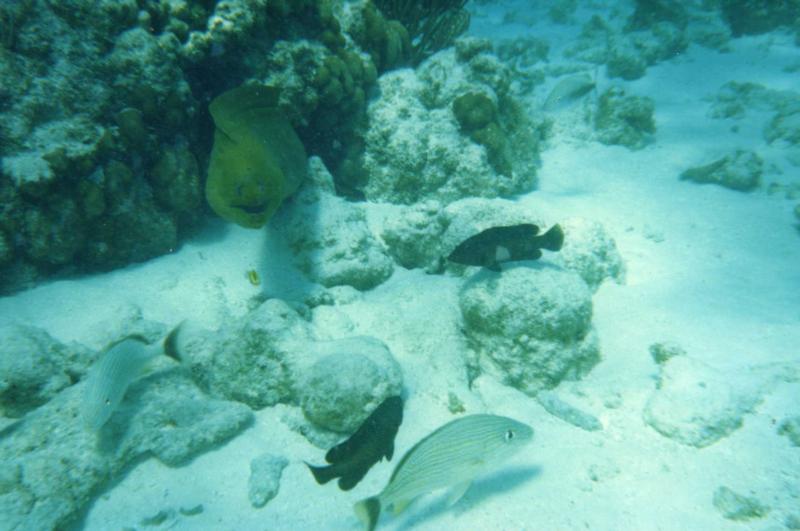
x=714, y=270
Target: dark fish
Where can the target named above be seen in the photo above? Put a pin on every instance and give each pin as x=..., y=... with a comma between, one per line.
x=373, y=441
x=496, y=245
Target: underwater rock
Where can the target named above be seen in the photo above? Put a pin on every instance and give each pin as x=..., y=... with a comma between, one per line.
x=265, y=478
x=734, y=99
x=624, y=120
x=557, y=407
x=176, y=179
x=589, y=251
x=522, y=52
x=758, y=16
x=650, y=12
x=790, y=428
x=664, y=351
x=386, y=41
x=251, y=360
x=784, y=127
x=709, y=30
x=656, y=31
x=125, y=320
x=530, y=327
x=147, y=74
x=132, y=230
x=741, y=170
x=34, y=367
x=6, y=249
x=54, y=233
x=53, y=467
x=413, y=235
x=734, y=506
x=73, y=68
x=696, y=405
x=648, y=38
x=229, y=23
x=331, y=240
x=351, y=378
x=625, y=61
x=416, y=149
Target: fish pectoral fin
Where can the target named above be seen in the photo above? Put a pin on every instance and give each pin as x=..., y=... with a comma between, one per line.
x=457, y=492
x=399, y=506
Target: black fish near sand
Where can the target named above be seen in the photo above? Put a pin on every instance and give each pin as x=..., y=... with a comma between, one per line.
x=509, y=243
x=374, y=440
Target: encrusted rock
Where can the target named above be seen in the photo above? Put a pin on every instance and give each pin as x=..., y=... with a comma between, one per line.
x=697, y=405
x=416, y=149
x=741, y=170
x=331, y=240
x=624, y=120
x=265, y=478
x=34, y=367
x=350, y=379
x=530, y=326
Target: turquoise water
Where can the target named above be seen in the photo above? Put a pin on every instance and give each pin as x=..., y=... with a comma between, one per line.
x=166, y=364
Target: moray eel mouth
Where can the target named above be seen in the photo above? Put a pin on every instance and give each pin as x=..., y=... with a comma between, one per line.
x=253, y=210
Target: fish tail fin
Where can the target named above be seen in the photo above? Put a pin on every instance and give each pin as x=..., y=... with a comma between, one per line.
x=171, y=343
x=322, y=474
x=368, y=511
x=553, y=239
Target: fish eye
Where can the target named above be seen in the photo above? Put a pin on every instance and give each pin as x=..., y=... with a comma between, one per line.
x=509, y=435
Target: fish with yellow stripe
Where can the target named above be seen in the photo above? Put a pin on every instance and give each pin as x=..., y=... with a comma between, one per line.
x=451, y=456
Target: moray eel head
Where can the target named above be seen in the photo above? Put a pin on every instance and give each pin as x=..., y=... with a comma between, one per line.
x=257, y=160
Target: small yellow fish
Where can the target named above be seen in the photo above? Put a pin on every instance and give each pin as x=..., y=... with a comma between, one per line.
x=252, y=276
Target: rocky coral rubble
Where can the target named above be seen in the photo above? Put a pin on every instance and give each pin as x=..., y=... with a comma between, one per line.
x=448, y=130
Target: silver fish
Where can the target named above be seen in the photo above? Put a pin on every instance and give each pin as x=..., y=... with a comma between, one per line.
x=109, y=378
x=452, y=455
x=567, y=90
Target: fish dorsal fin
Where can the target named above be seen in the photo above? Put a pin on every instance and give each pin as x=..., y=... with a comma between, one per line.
x=457, y=492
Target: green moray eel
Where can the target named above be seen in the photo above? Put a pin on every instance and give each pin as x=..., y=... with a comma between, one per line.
x=257, y=160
